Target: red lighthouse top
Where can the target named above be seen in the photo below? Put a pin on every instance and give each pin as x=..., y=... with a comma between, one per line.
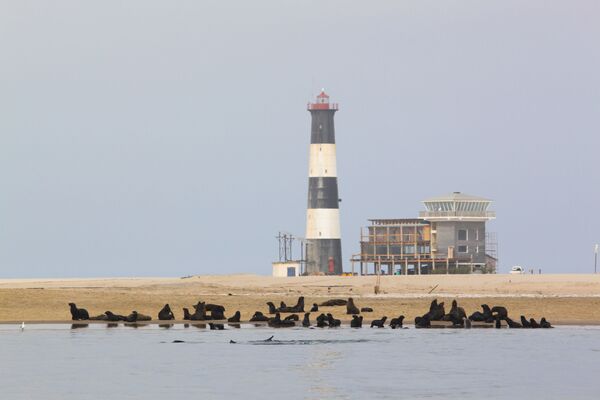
x=322, y=102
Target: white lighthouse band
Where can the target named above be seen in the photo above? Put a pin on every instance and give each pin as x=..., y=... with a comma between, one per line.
x=322, y=160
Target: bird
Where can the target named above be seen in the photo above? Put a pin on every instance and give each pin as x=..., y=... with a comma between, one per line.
x=23, y=326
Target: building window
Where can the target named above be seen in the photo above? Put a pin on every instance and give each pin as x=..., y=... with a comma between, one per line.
x=462, y=234
x=463, y=249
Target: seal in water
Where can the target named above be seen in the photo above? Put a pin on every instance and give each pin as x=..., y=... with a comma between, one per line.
x=235, y=318
x=351, y=308
x=166, y=314
x=216, y=327
x=306, y=320
x=378, y=323
x=397, y=322
x=356, y=321
x=78, y=313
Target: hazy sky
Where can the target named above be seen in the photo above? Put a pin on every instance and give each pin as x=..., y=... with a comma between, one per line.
x=171, y=137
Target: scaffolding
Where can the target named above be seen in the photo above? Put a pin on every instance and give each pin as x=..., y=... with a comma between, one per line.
x=409, y=247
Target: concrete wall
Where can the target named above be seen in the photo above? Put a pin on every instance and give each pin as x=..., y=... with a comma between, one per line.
x=447, y=235
x=280, y=269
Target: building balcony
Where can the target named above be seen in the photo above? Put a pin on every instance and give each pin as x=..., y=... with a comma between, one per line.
x=457, y=215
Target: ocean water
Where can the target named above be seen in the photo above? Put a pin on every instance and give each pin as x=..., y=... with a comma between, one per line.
x=97, y=362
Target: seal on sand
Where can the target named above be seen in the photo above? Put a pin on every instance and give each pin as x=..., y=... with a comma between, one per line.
x=235, y=318
x=351, y=308
x=166, y=314
x=78, y=313
x=306, y=320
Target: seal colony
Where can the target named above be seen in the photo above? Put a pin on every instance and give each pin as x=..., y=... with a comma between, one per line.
x=436, y=316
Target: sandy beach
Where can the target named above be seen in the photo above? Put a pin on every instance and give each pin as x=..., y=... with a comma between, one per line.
x=563, y=299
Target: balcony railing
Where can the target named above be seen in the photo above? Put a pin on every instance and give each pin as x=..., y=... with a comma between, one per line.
x=457, y=214
x=322, y=106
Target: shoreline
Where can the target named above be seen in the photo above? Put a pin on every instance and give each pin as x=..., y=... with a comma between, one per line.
x=562, y=299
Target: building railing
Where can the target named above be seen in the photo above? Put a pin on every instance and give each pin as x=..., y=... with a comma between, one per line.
x=457, y=214
x=322, y=106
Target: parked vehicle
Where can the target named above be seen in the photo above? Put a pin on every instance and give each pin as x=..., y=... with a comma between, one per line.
x=517, y=269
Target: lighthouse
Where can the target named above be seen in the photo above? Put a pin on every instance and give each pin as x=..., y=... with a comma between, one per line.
x=323, y=243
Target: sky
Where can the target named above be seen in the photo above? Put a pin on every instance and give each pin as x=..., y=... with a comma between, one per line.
x=170, y=138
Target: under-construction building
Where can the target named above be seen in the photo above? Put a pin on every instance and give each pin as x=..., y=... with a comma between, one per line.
x=448, y=237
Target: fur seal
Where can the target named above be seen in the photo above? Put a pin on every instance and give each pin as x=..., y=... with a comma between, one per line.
x=259, y=317
x=512, y=324
x=525, y=322
x=306, y=320
x=277, y=322
x=366, y=309
x=500, y=312
x=485, y=316
x=333, y=323
x=114, y=317
x=135, y=317
x=314, y=308
x=200, y=313
x=422, y=322
x=292, y=317
x=397, y=322
x=186, y=314
x=165, y=314
x=456, y=314
x=333, y=303
x=351, y=309
x=533, y=323
x=101, y=317
x=235, y=318
x=378, y=322
x=78, y=313
x=356, y=321
x=322, y=321
x=545, y=324
x=272, y=308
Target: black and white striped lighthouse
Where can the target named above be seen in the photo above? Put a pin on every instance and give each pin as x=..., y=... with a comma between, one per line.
x=323, y=243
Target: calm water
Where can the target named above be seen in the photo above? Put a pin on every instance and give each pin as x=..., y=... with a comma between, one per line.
x=56, y=362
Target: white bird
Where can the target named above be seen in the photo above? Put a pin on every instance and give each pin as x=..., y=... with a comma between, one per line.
x=22, y=326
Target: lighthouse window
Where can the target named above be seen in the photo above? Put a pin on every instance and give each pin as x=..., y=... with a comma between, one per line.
x=462, y=234
x=463, y=249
